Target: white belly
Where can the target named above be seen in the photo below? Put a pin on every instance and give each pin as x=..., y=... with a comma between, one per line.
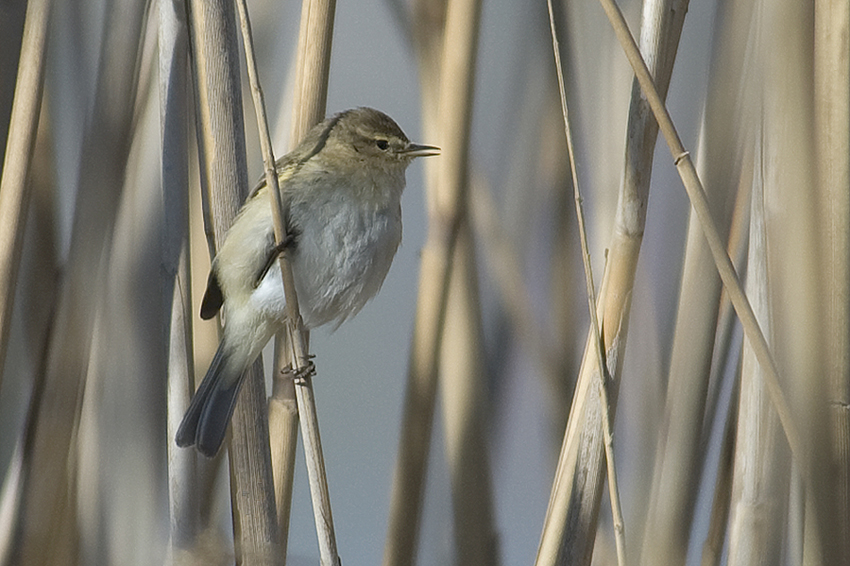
x=338, y=265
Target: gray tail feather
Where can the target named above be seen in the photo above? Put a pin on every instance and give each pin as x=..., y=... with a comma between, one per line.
x=205, y=423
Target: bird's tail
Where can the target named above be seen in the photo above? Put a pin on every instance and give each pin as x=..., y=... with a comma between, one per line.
x=205, y=423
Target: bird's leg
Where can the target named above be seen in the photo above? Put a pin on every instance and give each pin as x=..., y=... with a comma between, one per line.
x=288, y=240
x=274, y=253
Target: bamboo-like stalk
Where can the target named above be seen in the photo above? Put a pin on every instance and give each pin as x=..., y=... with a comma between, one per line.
x=10, y=499
x=417, y=414
x=679, y=454
x=256, y=536
x=565, y=306
x=427, y=37
x=799, y=287
x=282, y=415
x=313, y=66
x=182, y=483
x=726, y=319
x=596, y=333
x=463, y=389
x=283, y=436
x=14, y=189
x=446, y=209
x=177, y=305
x=570, y=525
x=49, y=527
x=461, y=367
x=758, y=490
x=37, y=299
x=221, y=136
x=14, y=481
x=712, y=549
x=39, y=303
x=696, y=193
x=120, y=443
x=308, y=108
x=832, y=136
x=318, y=32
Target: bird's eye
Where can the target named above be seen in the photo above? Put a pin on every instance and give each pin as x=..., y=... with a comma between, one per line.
x=382, y=144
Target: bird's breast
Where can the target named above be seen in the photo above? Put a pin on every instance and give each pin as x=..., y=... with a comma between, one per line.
x=343, y=252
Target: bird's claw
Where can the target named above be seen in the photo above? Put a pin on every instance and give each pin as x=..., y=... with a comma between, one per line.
x=302, y=373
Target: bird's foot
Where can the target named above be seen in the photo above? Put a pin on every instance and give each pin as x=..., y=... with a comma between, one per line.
x=287, y=242
x=274, y=253
x=302, y=373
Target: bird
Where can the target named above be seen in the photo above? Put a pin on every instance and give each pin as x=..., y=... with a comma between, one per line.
x=342, y=188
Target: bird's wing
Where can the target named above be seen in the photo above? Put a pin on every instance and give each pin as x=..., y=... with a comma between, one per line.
x=213, y=298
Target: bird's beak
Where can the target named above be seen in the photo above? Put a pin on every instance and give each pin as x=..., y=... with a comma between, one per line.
x=416, y=150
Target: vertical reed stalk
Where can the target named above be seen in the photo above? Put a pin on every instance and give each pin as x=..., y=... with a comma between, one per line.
x=461, y=366
x=313, y=67
x=797, y=268
x=758, y=491
x=221, y=137
x=679, y=454
x=696, y=193
x=461, y=369
x=590, y=291
x=464, y=412
x=312, y=71
x=283, y=454
x=283, y=438
x=39, y=302
x=446, y=208
x=712, y=548
x=570, y=526
x=14, y=188
x=177, y=303
x=832, y=138
x=49, y=528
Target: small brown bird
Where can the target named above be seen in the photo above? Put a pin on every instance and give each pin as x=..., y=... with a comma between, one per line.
x=343, y=186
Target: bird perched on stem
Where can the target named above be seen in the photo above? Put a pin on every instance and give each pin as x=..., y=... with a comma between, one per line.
x=342, y=189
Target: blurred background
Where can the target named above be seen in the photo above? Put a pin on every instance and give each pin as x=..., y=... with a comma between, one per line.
x=766, y=122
